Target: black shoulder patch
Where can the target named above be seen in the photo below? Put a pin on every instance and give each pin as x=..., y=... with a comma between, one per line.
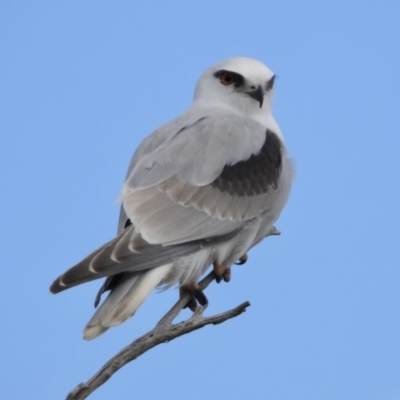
x=256, y=175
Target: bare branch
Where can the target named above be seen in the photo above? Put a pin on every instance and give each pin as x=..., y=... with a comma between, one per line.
x=177, y=308
x=164, y=331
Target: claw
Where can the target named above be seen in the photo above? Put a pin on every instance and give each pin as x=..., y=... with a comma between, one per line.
x=200, y=296
x=191, y=304
x=196, y=295
x=218, y=271
x=221, y=273
x=242, y=260
x=227, y=275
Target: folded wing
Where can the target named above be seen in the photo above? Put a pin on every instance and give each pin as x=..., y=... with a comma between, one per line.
x=196, y=184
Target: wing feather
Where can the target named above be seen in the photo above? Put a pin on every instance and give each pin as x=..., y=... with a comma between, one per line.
x=193, y=183
x=207, y=179
x=101, y=264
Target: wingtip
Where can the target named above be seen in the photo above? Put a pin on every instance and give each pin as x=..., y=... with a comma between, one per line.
x=57, y=286
x=53, y=288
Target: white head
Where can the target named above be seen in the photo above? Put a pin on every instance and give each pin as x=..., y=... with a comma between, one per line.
x=241, y=84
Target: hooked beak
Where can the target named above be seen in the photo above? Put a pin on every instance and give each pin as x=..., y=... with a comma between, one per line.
x=257, y=94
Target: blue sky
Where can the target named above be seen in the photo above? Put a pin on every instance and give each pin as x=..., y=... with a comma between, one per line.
x=82, y=83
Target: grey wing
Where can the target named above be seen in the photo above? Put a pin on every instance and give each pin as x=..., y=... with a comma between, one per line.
x=196, y=187
x=208, y=180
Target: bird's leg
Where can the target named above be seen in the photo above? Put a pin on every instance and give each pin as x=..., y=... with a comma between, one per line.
x=196, y=295
x=242, y=260
x=221, y=272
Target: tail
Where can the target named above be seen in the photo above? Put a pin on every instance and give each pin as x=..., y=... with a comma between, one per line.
x=123, y=301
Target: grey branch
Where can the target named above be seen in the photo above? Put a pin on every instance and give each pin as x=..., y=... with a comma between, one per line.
x=164, y=331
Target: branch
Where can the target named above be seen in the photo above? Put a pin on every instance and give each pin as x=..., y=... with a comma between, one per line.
x=163, y=332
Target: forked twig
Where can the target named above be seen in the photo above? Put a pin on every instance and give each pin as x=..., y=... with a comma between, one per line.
x=163, y=332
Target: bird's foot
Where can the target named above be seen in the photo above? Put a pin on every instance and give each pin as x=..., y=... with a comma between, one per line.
x=242, y=260
x=196, y=295
x=221, y=273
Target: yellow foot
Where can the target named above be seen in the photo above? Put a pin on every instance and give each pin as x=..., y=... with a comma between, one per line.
x=221, y=272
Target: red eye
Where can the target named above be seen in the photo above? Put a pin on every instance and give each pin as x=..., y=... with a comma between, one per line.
x=227, y=78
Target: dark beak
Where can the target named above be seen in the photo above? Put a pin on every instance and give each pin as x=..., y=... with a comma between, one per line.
x=257, y=94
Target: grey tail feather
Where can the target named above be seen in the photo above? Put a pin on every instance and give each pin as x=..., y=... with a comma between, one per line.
x=124, y=299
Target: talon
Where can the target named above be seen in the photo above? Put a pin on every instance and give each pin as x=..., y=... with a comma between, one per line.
x=218, y=271
x=227, y=275
x=191, y=304
x=196, y=295
x=201, y=297
x=242, y=260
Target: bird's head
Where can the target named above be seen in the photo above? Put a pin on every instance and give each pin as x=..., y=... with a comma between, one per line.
x=242, y=84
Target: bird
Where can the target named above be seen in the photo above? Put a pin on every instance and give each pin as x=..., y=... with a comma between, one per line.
x=200, y=192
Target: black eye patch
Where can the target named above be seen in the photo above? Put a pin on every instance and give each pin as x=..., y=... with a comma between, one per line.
x=238, y=79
